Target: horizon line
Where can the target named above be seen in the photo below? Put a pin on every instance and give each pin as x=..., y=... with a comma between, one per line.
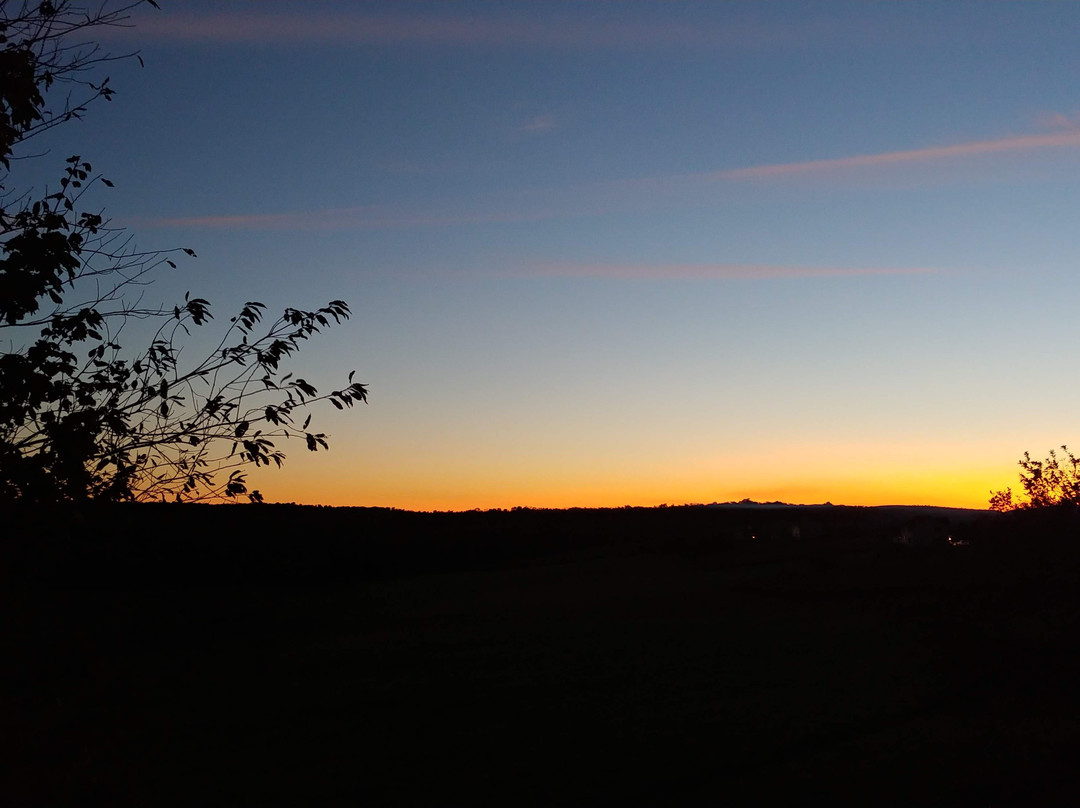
x=659, y=506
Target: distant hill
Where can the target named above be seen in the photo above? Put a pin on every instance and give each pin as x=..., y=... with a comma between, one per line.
x=751, y=504
x=957, y=514
x=907, y=511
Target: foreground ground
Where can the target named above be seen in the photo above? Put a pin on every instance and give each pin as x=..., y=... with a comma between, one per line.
x=666, y=671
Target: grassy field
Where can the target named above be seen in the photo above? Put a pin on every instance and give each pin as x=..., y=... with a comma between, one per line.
x=584, y=676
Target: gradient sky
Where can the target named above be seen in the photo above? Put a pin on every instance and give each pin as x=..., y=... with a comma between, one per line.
x=628, y=253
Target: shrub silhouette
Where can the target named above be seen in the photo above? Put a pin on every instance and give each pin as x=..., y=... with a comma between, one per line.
x=1049, y=482
x=80, y=416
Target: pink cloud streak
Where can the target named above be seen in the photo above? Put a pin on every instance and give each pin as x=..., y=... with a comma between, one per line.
x=716, y=271
x=611, y=196
x=360, y=218
x=1019, y=143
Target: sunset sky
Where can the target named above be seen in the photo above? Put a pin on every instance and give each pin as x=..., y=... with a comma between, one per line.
x=628, y=253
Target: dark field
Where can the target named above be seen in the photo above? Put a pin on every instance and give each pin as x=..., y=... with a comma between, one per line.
x=185, y=656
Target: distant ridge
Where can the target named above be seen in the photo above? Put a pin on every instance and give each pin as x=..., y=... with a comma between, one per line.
x=929, y=510
x=749, y=503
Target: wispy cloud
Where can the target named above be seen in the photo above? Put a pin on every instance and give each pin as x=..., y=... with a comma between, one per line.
x=1058, y=120
x=541, y=123
x=1069, y=138
x=714, y=271
x=662, y=190
x=359, y=218
x=609, y=197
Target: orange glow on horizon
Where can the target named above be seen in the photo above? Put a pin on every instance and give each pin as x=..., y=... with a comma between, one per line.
x=970, y=489
x=461, y=472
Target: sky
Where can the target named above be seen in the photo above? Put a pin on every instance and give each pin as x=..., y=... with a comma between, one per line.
x=614, y=253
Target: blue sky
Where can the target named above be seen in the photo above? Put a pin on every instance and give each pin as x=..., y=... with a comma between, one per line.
x=611, y=253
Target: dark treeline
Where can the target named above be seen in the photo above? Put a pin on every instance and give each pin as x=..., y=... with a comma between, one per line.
x=129, y=544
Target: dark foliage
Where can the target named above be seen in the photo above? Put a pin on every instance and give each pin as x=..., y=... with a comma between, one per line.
x=1046, y=483
x=81, y=417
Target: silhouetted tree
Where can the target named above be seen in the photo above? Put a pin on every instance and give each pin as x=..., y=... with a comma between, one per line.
x=1053, y=481
x=81, y=418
